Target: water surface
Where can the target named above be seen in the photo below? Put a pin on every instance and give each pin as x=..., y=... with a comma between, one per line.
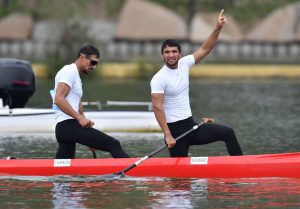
x=263, y=112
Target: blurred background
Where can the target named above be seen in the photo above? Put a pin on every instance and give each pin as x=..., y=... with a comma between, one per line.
x=49, y=33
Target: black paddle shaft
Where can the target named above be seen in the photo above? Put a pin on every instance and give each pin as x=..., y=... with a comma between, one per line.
x=94, y=153
x=158, y=150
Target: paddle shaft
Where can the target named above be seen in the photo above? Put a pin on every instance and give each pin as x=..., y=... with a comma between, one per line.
x=158, y=150
x=94, y=153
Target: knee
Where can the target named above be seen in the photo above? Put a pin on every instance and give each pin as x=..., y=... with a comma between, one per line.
x=229, y=134
x=230, y=131
x=116, y=144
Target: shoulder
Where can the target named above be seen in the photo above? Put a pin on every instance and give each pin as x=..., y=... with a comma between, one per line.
x=67, y=69
x=189, y=60
x=67, y=74
x=159, y=79
x=161, y=74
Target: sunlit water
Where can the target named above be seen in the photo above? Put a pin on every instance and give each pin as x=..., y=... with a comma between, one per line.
x=263, y=113
x=36, y=192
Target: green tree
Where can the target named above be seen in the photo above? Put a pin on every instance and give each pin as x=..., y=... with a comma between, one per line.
x=75, y=35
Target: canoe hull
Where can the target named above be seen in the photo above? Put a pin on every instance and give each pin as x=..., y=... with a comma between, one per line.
x=250, y=166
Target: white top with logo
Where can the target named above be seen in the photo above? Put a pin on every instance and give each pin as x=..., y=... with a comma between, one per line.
x=69, y=75
x=174, y=84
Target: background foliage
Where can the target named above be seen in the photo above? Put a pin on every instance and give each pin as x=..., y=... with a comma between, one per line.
x=245, y=11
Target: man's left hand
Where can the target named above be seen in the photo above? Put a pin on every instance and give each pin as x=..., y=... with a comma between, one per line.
x=90, y=124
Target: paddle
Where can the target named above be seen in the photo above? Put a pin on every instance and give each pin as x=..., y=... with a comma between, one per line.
x=122, y=172
x=93, y=152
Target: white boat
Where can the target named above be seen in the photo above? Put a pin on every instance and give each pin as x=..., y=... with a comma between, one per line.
x=24, y=120
x=17, y=85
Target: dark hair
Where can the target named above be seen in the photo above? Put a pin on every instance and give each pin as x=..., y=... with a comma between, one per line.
x=89, y=50
x=171, y=43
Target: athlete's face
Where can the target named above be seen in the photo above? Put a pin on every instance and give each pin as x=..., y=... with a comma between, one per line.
x=89, y=63
x=171, y=56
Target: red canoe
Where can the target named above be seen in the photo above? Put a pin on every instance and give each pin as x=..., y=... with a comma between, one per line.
x=247, y=166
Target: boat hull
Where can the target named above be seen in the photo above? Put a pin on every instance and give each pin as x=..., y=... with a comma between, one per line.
x=285, y=165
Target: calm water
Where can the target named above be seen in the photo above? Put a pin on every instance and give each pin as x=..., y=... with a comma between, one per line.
x=265, y=116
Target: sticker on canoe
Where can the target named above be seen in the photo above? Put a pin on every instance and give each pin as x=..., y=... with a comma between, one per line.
x=62, y=162
x=199, y=160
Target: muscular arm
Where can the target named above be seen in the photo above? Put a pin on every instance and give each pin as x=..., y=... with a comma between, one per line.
x=210, y=42
x=81, y=108
x=157, y=103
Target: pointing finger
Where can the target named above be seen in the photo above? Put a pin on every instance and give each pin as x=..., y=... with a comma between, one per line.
x=222, y=18
x=221, y=13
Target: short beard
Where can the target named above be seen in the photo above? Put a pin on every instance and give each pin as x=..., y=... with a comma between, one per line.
x=173, y=66
x=86, y=72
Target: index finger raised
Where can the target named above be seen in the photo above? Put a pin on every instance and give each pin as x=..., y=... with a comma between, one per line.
x=221, y=13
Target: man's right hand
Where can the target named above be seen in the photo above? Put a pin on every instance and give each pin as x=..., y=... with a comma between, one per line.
x=170, y=140
x=208, y=120
x=90, y=124
x=221, y=19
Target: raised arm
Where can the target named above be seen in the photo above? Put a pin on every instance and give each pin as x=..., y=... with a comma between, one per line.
x=210, y=42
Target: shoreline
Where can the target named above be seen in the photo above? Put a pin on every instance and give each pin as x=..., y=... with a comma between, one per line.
x=131, y=70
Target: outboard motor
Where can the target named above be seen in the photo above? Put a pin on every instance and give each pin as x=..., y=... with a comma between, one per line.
x=17, y=82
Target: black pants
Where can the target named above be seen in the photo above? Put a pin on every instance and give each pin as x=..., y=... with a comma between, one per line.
x=70, y=132
x=206, y=133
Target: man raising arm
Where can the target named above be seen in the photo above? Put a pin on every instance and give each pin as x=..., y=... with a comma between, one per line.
x=170, y=99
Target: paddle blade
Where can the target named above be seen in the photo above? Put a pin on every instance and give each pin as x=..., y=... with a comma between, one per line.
x=110, y=177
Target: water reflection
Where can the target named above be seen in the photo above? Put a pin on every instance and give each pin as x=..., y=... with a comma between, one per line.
x=16, y=193
x=257, y=193
x=180, y=193
x=64, y=197
x=128, y=192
